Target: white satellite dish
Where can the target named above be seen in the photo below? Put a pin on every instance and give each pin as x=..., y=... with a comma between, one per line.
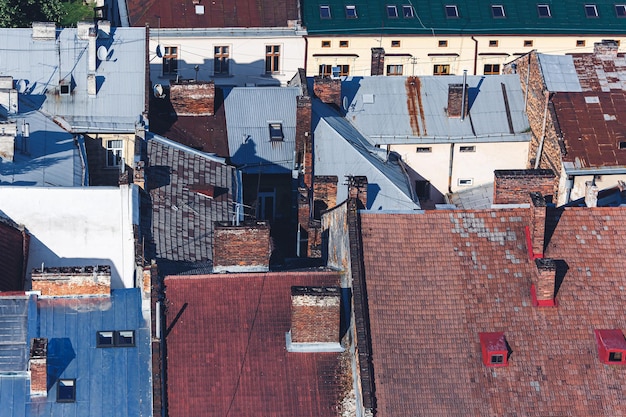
x=158, y=91
x=345, y=103
x=159, y=51
x=102, y=53
x=21, y=86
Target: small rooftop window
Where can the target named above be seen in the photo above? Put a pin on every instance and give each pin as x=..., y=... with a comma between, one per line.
x=351, y=12
x=497, y=11
x=452, y=11
x=276, y=132
x=66, y=390
x=392, y=12
x=121, y=338
x=325, y=12
x=611, y=346
x=543, y=10
x=494, y=349
x=622, y=145
x=620, y=10
x=591, y=10
x=407, y=11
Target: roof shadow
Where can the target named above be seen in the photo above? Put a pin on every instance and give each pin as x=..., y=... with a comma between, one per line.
x=60, y=355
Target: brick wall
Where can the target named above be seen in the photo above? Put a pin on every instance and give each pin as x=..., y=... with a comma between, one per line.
x=513, y=186
x=546, y=279
x=538, y=223
x=455, y=100
x=70, y=281
x=324, y=194
x=328, y=90
x=38, y=367
x=242, y=248
x=378, y=61
x=357, y=188
x=304, y=148
x=193, y=98
x=315, y=314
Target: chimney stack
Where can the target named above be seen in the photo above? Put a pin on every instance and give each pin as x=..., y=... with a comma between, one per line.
x=458, y=102
x=537, y=230
x=315, y=319
x=243, y=248
x=328, y=90
x=69, y=281
x=591, y=194
x=543, y=290
x=193, y=98
x=38, y=367
x=378, y=61
x=357, y=188
x=304, y=144
x=511, y=186
x=93, y=36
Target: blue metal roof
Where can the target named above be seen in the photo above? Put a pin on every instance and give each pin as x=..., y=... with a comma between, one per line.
x=109, y=381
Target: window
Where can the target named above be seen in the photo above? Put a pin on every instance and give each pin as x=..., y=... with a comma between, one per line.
x=580, y=43
x=170, y=60
x=325, y=44
x=120, y=338
x=325, y=12
x=422, y=189
x=65, y=89
x=276, y=132
x=395, y=44
x=622, y=145
x=465, y=181
x=496, y=359
x=467, y=148
x=114, y=152
x=528, y=43
x=351, y=12
x=451, y=11
x=220, y=60
x=407, y=11
x=392, y=12
x=443, y=44
x=441, y=69
x=615, y=356
x=340, y=71
x=620, y=10
x=423, y=149
x=493, y=43
x=491, y=69
x=543, y=10
x=394, y=69
x=272, y=59
x=66, y=390
x=591, y=10
x=497, y=11
x=325, y=70
x=343, y=44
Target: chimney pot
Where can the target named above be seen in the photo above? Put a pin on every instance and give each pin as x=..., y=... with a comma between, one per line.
x=378, y=61
x=458, y=102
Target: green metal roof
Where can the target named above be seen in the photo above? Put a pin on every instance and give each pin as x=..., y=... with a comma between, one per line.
x=475, y=17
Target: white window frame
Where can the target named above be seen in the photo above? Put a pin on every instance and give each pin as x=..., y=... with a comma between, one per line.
x=407, y=11
x=591, y=8
x=114, y=152
x=325, y=8
x=499, y=7
x=392, y=11
x=451, y=7
x=351, y=12
x=465, y=182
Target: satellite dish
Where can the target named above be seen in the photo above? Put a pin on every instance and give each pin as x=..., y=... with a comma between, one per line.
x=102, y=53
x=159, y=51
x=21, y=86
x=345, y=103
x=158, y=91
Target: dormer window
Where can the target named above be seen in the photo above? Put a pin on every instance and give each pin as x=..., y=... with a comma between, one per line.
x=407, y=11
x=392, y=12
x=543, y=10
x=611, y=346
x=351, y=12
x=276, y=132
x=497, y=11
x=591, y=10
x=452, y=12
x=494, y=349
x=620, y=10
x=325, y=12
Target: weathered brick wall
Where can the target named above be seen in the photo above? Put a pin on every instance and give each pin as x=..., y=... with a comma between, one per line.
x=193, y=98
x=513, y=186
x=357, y=189
x=37, y=365
x=545, y=281
x=244, y=247
x=538, y=222
x=314, y=231
x=304, y=148
x=378, y=61
x=324, y=194
x=69, y=281
x=315, y=314
x=456, y=107
x=328, y=90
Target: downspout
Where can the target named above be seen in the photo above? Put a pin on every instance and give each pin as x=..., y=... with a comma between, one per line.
x=463, y=110
x=306, y=53
x=450, y=168
x=543, y=132
x=475, y=54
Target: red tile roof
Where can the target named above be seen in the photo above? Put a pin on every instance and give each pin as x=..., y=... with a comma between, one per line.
x=226, y=351
x=217, y=13
x=436, y=280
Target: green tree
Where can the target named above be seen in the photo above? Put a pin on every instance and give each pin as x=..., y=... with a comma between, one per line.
x=21, y=13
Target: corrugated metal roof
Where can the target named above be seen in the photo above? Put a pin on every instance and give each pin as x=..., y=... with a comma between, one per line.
x=392, y=110
x=559, y=73
x=13, y=335
x=341, y=150
x=249, y=112
x=43, y=64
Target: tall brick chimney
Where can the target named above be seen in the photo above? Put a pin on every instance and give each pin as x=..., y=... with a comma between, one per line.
x=72, y=280
x=537, y=226
x=328, y=90
x=378, y=61
x=458, y=101
x=511, y=186
x=193, y=98
x=607, y=49
x=315, y=319
x=304, y=145
x=357, y=188
x=243, y=248
x=543, y=290
x=38, y=367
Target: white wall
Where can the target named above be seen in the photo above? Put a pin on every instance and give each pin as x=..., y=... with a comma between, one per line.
x=77, y=226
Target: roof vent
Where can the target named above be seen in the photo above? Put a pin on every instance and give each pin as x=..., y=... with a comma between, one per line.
x=199, y=9
x=611, y=346
x=495, y=349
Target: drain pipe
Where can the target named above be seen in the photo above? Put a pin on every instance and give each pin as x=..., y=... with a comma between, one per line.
x=450, y=168
x=475, y=54
x=463, y=95
x=543, y=132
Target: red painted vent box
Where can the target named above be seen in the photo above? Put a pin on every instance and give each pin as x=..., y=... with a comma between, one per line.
x=611, y=346
x=494, y=348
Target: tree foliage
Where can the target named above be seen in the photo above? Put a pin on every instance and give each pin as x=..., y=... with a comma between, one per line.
x=21, y=13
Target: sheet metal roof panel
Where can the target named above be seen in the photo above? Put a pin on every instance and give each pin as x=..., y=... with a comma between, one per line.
x=14, y=342
x=559, y=73
x=249, y=110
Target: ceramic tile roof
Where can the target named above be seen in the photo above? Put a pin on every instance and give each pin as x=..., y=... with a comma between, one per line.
x=217, y=13
x=227, y=355
x=436, y=280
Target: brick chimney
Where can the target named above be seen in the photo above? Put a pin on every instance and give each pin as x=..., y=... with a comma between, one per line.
x=72, y=280
x=543, y=290
x=324, y=194
x=591, y=194
x=315, y=319
x=193, y=98
x=328, y=90
x=304, y=145
x=511, y=186
x=243, y=248
x=378, y=61
x=607, y=49
x=537, y=228
x=38, y=367
x=458, y=103
x=357, y=188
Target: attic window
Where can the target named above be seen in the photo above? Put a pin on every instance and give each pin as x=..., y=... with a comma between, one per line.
x=591, y=10
x=622, y=145
x=611, y=346
x=443, y=44
x=325, y=12
x=276, y=132
x=580, y=43
x=392, y=12
x=471, y=148
x=497, y=11
x=407, y=11
x=64, y=89
x=494, y=349
x=452, y=11
x=351, y=12
x=543, y=10
x=620, y=10
x=66, y=391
